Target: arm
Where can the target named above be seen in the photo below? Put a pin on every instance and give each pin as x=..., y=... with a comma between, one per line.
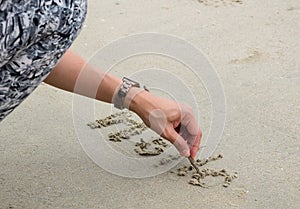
x=66, y=72
x=161, y=115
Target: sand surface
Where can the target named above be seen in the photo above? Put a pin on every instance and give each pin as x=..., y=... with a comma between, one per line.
x=254, y=47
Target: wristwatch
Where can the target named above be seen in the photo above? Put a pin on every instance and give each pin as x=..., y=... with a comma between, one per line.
x=118, y=100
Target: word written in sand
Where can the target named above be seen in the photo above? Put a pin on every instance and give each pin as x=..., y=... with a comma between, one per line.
x=154, y=147
x=150, y=147
x=198, y=175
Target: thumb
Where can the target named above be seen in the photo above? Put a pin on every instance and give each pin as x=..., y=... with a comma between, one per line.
x=180, y=144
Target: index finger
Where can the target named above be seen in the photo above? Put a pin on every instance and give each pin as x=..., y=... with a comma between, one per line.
x=189, y=121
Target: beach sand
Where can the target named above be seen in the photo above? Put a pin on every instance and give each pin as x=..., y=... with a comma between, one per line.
x=254, y=48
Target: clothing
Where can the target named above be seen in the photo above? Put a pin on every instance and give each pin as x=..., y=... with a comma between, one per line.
x=34, y=34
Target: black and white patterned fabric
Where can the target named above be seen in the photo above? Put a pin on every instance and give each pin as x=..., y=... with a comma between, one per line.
x=34, y=34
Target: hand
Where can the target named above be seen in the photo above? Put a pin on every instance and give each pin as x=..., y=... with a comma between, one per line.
x=164, y=116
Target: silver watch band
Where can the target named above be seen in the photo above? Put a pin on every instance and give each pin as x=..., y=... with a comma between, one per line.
x=118, y=100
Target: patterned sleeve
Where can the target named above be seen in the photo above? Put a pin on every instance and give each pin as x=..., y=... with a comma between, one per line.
x=34, y=34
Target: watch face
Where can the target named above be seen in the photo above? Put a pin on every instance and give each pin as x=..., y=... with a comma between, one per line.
x=122, y=93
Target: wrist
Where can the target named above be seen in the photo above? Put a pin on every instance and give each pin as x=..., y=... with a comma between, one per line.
x=119, y=97
x=139, y=101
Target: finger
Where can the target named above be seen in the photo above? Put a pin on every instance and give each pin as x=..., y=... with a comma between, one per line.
x=179, y=143
x=189, y=121
x=195, y=146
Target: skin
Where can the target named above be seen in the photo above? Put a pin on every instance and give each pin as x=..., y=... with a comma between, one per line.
x=74, y=74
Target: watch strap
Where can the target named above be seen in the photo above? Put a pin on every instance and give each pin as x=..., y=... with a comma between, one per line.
x=126, y=85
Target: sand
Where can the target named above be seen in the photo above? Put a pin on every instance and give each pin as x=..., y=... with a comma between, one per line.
x=254, y=47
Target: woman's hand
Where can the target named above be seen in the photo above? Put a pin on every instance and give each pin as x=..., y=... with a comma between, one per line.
x=165, y=117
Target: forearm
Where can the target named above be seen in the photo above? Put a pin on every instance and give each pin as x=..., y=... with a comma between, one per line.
x=74, y=74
